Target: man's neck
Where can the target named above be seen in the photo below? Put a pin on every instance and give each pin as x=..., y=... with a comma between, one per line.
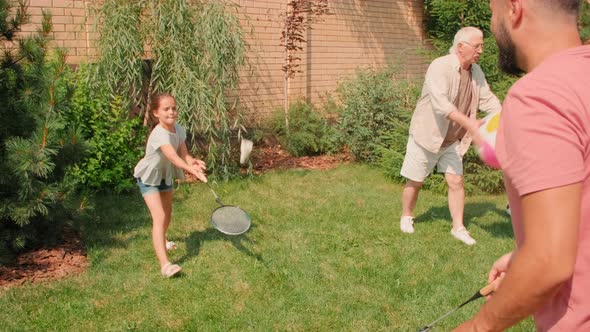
x=546, y=44
x=465, y=65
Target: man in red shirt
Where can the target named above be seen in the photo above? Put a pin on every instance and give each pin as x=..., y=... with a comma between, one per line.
x=543, y=146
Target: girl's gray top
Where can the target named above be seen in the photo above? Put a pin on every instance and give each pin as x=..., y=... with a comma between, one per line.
x=155, y=167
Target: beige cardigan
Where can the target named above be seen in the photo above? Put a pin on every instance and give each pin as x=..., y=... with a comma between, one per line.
x=429, y=122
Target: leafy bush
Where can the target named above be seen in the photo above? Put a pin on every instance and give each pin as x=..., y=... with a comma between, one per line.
x=258, y=134
x=116, y=142
x=309, y=133
x=445, y=17
x=374, y=121
x=478, y=177
x=391, y=154
x=376, y=112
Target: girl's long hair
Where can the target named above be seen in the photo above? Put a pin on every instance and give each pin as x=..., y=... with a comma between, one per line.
x=154, y=105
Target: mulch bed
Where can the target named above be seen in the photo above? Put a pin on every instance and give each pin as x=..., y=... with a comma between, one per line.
x=268, y=158
x=69, y=258
x=45, y=264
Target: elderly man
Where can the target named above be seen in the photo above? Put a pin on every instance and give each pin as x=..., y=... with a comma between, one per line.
x=443, y=126
x=543, y=146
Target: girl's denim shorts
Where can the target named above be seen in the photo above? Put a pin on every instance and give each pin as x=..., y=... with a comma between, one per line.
x=148, y=189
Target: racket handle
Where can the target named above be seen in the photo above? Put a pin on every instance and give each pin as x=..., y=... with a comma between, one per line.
x=217, y=199
x=487, y=290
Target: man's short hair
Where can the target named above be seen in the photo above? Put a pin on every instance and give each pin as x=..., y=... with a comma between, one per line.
x=570, y=7
x=463, y=35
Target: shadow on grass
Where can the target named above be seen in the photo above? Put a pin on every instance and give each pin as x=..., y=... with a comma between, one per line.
x=112, y=217
x=502, y=228
x=114, y=221
x=195, y=240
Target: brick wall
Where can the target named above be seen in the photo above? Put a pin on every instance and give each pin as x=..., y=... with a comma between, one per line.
x=359, y=33
x=70, y=27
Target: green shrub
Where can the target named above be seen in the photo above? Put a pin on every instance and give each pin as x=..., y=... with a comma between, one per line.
x=391, y=155
x=374, y=122
x=116, y=142
x=376, y=111
x=309, y=132
x=257, y=134
x=478, y=177
x=443, y=18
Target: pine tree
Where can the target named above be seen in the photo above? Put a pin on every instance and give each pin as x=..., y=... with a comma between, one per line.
x=37, y=148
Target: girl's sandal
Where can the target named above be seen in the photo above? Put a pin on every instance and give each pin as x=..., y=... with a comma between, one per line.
x=170, y=245
x=170, y=270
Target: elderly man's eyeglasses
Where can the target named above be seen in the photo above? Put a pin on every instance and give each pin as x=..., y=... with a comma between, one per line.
x=475, y=46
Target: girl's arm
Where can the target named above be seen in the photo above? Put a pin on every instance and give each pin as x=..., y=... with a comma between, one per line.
x=170, y=153
x=184, y=154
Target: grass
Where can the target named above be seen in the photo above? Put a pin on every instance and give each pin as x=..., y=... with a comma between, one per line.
x=324, y=253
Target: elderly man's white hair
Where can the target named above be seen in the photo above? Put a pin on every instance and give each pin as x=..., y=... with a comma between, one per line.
x=463, y=35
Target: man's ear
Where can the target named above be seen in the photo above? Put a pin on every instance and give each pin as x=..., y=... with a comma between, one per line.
x=515, y=12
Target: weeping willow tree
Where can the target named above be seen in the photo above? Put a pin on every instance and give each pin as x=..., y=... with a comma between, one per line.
x=190, y=49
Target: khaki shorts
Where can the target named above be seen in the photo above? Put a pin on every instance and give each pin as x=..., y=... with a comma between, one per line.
x=419, y=162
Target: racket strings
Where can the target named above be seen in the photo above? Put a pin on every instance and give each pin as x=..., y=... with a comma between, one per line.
x=231, y=220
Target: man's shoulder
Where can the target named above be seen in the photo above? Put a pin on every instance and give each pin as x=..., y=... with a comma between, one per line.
x=550, y=85
x=445, y=59
x=557, y=70
x=528, y=86
x=444, y=64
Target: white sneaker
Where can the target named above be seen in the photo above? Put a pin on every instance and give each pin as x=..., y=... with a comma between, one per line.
x=170, y=245
x=462, y=235
x=406, y=224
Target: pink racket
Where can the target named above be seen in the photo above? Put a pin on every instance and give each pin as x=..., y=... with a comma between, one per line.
x=488, y=155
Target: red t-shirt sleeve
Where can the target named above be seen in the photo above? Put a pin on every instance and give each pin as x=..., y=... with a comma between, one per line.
x=544, y=137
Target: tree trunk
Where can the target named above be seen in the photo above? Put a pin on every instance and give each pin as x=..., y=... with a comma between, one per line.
x=286, y=69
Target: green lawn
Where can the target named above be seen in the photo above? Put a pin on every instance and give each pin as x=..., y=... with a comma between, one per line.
x=324, y=254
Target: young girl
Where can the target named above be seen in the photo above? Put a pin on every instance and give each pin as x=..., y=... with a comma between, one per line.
x=166, y=157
